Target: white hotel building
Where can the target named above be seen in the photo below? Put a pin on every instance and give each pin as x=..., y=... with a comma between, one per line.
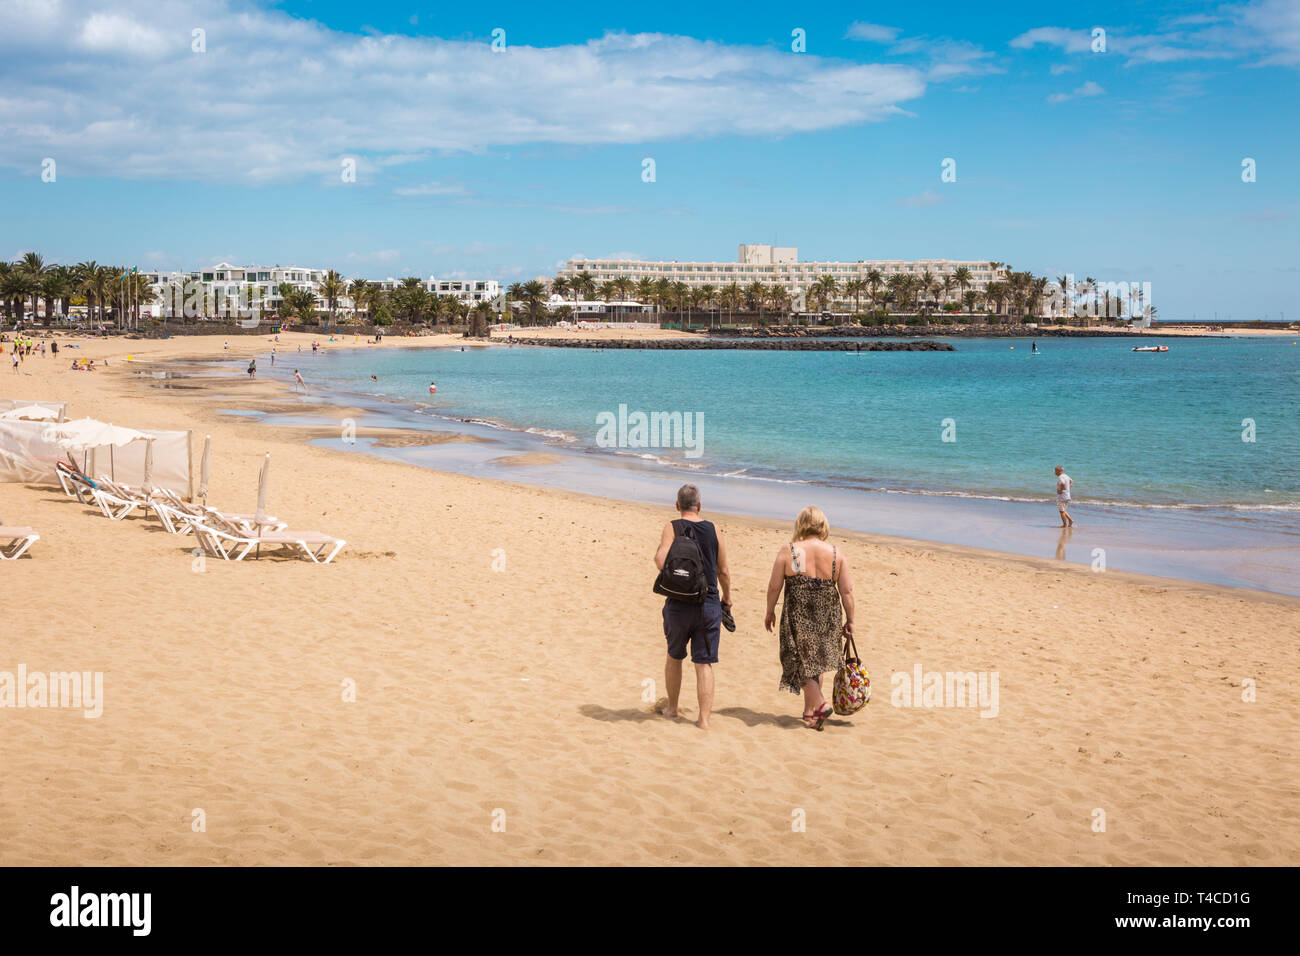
x=771, y=265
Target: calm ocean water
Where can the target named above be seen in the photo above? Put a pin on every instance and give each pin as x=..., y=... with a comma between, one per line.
x=1132, y=429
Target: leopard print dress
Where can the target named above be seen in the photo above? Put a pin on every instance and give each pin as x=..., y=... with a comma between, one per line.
x=811, y=626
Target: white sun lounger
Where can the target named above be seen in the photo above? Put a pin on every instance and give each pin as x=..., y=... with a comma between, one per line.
x=14, y=541
x=74, y=483
x=117, y=505
x=316, y=546
x=178, y=516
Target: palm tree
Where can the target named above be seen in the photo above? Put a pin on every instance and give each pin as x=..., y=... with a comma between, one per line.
x=645, y=290
x=33, y=264
x=961, y=276
x=624, y=287
x=16, y=285
x=560, y=286
x=583, y=286
x=779, y=297
x=1087, y=290
x=825, y=289
x=875, y=278
x=662, y=292
x=56, y=289
x=411, y=299
x=855, y=288
x=534, y=298
x=996, y=294
x=1063, y=287
x=96, y=286
x=731, y=296
x=948, y=282
x=332, y=288
x=706, y=297
x=755, y=298
x=897, y=288
x=360, y=292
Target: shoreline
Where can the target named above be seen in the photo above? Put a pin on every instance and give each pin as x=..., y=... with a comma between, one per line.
x=947, y=519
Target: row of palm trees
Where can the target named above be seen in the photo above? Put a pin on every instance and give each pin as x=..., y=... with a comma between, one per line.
x=114, y=292
x=1015, y=294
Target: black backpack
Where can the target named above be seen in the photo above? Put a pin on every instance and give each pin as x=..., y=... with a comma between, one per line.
x=682, y=577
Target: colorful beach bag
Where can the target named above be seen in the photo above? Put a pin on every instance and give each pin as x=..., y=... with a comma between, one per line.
x=852, y=683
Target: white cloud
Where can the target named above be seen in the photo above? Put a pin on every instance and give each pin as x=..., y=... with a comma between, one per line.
x=1071, y=41
x=115, y=90
x=872, y=33
x=945, y=58
x=1264, y=32
x=1089, y=88
x=431, y=189
x=927, y=198
x=379, y=255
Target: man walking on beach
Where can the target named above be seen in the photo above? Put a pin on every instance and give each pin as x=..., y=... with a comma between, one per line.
x=700, y=625
x=1063, y=485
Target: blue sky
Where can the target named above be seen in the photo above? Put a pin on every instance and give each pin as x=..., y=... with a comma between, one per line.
x=1125, y=165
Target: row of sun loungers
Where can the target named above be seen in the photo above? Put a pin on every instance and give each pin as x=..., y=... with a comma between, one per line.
x=223, y=535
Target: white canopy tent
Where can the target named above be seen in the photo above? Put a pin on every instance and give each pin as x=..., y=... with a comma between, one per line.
x=28, y=451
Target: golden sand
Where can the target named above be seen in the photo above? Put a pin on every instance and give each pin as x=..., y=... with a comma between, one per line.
x=487, y=694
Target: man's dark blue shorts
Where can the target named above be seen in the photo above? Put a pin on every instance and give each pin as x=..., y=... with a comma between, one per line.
x=698, y=624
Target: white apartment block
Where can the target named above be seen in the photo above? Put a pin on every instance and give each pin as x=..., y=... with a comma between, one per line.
x=469, y=291
x=772, y=265
x=229, y=282
x=262, y=284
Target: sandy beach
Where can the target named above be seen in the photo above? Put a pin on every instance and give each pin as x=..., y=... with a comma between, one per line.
x=502, y=719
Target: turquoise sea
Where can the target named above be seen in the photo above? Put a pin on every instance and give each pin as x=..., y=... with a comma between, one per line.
x=1207, y=434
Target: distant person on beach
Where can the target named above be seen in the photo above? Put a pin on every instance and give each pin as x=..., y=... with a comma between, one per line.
x=433, y=389
x=1063, y=485
x=1033, y=346
x=817, y=584
x=699, y=625
x=297, y=381
x=272, y=358
x=252, y=368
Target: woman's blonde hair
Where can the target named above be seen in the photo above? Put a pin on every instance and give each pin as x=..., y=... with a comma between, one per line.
x=811, y=522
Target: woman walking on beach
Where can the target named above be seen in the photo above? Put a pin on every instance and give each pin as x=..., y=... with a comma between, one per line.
x=815, y=577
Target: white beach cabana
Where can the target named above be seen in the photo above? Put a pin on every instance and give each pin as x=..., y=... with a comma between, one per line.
x=29, y=449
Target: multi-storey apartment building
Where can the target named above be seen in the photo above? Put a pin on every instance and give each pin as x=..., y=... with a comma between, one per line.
x=467, y=290
x=772, y=265
x=226, y=282
x=263, y=284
